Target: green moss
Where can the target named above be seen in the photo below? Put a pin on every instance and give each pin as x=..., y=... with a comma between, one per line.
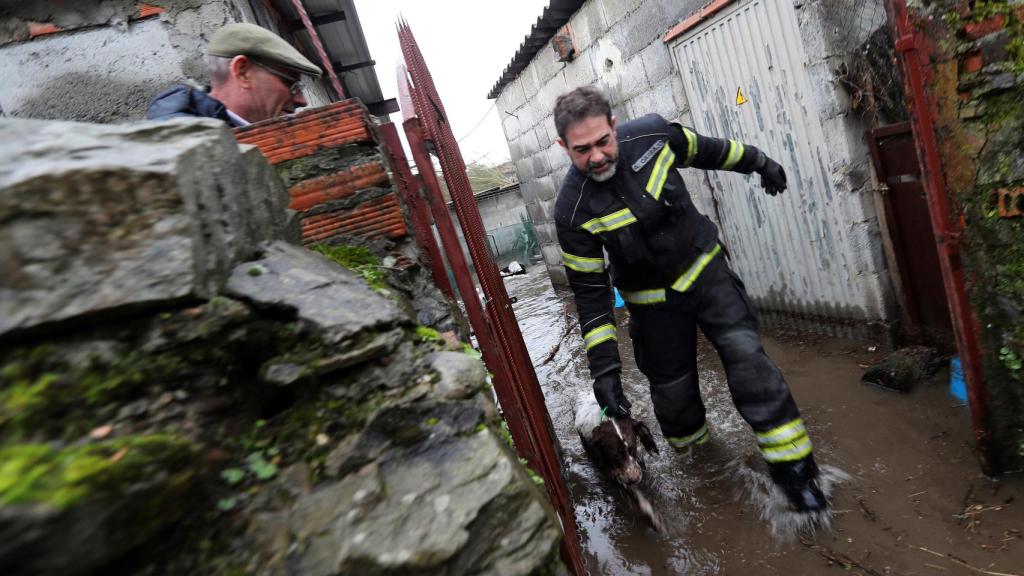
x=104, y=385
x=358, y=259
x=537, y=479
x=427, y=334
x=292, y=436
x=952, y=18
x=1011, y=361
x=506, y=435
x=985, y=9
x=41, y=473
x=45, y=396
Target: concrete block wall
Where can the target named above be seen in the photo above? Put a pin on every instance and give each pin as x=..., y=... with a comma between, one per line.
x=620, y=49
x=104, y=61
x=850, y=170
x=502, y=213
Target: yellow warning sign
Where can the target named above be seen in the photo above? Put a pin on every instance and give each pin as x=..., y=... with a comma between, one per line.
x=740, y=98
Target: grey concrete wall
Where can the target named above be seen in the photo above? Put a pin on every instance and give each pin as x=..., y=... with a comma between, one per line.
x=105, y=66
x=502, y=218
x=621, y=52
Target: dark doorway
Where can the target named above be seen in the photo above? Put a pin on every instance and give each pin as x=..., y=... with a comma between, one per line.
x=906, y=211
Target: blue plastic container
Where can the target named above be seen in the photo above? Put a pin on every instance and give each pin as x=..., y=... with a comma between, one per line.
x=619, y=302
x=957, y=388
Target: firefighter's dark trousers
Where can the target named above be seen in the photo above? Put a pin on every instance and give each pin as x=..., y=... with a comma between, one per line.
x=665, y=347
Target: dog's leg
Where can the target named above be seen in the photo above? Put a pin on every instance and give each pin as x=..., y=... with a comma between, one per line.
x=647, y=509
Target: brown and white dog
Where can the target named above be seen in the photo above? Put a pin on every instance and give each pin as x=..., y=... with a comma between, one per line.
x=613, y=444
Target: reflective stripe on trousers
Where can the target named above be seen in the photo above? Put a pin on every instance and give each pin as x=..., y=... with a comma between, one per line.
x=602, y=333
x=699, y=437
x=785, y=443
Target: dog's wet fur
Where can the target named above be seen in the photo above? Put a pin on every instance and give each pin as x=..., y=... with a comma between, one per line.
x=613, y=445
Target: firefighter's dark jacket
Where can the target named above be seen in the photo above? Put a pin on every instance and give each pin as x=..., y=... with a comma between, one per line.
x=643, y=218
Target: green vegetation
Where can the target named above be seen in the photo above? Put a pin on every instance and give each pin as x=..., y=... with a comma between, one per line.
x=427, y=334
x=359, y=260
x=40, y=393
x=63, y=477
x=994, y=246
x=1011, y=360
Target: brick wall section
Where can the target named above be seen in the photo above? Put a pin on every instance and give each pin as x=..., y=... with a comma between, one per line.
x=974, y=87
x=337, y=179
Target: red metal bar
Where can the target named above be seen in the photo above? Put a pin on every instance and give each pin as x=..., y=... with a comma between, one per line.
x=314, y=37
x=525, y=394
x=913, y=50
x=453, y=250
x=409, y=189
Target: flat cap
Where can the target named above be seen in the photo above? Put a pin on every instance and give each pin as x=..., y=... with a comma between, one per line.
x=260, y=43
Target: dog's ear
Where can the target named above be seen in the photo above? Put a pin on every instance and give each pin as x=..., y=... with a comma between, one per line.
x=646, y=438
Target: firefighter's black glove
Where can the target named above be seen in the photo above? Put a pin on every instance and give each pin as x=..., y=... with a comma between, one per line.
x=608, y=391
x=773, y=177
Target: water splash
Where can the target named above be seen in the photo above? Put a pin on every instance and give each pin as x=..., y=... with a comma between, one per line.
x=760, y=492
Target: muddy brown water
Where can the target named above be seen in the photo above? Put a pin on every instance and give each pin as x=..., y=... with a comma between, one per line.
x=915, y=504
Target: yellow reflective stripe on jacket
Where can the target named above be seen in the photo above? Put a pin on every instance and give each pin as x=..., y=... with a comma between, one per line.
x=643, y=296
x=785, y=443
x=735, y=153
x=685, y=282
x=691, y=147
x=699, y=437
x=610, y=222
x=782, y=434
x=660, y=173
x=602, y=333
x=582, y=264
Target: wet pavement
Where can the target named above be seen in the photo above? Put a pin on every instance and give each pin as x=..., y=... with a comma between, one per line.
x=915, y=503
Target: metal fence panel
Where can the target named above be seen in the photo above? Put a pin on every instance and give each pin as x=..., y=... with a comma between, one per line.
x=746, y=79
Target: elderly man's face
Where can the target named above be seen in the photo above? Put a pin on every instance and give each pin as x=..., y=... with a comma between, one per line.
x=592, y=146
x=270, y=93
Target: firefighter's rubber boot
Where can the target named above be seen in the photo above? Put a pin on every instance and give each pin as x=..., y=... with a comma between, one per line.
x=799, y=482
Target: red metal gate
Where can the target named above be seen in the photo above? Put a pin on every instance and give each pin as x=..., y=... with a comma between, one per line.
x=913, y=52
x=497, y=330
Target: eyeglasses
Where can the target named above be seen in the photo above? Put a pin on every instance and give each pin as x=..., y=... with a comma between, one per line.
x=294, y=84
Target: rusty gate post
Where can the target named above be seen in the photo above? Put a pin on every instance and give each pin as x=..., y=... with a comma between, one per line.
x=525, y=394
x=493, y=358
x=912, y=49
x=409, y=188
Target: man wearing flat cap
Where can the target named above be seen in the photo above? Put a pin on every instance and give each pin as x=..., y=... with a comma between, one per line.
x=254, y=75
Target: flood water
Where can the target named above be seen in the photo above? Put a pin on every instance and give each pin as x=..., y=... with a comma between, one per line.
x=915, y=502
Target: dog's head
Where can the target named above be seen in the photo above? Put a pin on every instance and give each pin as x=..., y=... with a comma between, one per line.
x=615, y=444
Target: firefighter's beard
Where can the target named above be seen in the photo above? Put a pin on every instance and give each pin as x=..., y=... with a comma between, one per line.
x=602, y=176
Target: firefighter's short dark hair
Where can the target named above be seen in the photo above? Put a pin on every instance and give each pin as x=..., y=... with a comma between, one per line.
x=583, y=102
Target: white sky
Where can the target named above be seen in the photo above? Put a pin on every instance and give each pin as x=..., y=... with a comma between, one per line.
x=466, y=45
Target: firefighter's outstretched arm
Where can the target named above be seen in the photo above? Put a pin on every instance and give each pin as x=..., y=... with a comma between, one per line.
x=697, y=151
x=584, y=265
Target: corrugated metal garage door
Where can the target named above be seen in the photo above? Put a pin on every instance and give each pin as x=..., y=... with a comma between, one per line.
x=793, y=251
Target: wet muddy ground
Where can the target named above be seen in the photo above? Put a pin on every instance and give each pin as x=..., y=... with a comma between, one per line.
x=915, y=504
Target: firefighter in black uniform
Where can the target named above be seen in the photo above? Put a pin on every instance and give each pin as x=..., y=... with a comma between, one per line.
x=623, y=196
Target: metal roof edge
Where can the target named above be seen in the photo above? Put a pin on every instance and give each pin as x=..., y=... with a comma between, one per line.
x=555, y=15
x=491, y=192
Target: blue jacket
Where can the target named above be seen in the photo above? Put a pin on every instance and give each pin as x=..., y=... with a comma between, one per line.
x=185, y=101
